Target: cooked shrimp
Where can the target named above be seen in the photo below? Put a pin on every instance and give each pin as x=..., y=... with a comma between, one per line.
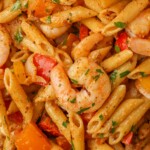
x=51, y=32
x=4, y=45
x=140, y=26
x=91, y=77
x=137, y=30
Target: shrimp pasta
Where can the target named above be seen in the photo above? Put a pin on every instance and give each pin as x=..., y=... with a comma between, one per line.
x=74, y=75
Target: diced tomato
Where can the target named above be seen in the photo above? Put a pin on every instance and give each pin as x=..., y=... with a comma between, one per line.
x=62, y=142
x=83, y=32
x=44, y=65
x=16, y=117
x=121, y=41
x=47, y=125
x=128, y=138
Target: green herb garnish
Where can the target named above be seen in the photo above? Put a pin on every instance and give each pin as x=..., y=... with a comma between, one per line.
x=101, y=117
x=73, y=100
x=56, y=1
x=74, y=81
x=101, y=135
x=82, y=110
x=143, y=74
x=117, y=48
x=114, y=123
x=120, y=24
x=125, y=73
x=112, y=130
x=16, y=6
x=18, y=35
x=93, y=104
x=113, y=76
x=65, y=123
x=72, y=145
x=23, y=60
x=48, y=19
x=86, y=73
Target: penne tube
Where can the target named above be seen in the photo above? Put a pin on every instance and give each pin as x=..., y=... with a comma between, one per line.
x=59, y=118
x=3, y=118
x=77, y=131
x=45, y=94
x=38, y=108
x=104, y=113
x=18, y=95
x=84, y=47
x=129, y=122
x=142, y=70
x=69, y=16
x=118, y=146
x=117, y=59
x=108, y=14
x=121, y=113
x=33, y=33
x=124, y=17
x=120, y=74
x=107, y=3
x=94, y=5
x=9, y=14
x=95, y=26
x=99, y=54
x=20, y=56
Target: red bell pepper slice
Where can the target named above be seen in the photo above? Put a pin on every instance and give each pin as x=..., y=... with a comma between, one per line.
x=16, y=117
x=128, y=138
x=44, y=65
x=83, y=32
x=47, y=125
x=121, y=41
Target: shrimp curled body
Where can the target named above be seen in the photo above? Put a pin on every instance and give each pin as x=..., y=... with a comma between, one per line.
x=4, y=45
x=91, y=77
x=138, y=30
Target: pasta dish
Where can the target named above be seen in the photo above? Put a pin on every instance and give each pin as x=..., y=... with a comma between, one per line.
x=74, y=75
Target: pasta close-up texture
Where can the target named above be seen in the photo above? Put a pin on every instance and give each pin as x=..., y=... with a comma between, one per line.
x=74, y=75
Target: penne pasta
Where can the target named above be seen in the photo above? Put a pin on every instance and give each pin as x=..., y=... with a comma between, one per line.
x=68, y=16
x=117, y=59
x=107, y=3
x=131, y=120
x=18, y=95
x=52, y=109
x=106, y=110
x=111, y=28
x=77, y=131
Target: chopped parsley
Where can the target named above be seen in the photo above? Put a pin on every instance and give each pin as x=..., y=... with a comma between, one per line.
x=117, y=48
x=93, y=104
x=99, y=71
x=113, y=76
x=23, y=60
x=48, y=19
x=82, y=110
x=73, y=100
x=101, y=135
x=112, y=130
x=65, y=123
x=125, y=73
x=16, y=6
x=143, y=74
x=114, y=123
x=56, y=1
x=120, y=24
x=18, y=35
x=74, y=81
x=86, y=73
x=101, y=117
x=26, y=5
